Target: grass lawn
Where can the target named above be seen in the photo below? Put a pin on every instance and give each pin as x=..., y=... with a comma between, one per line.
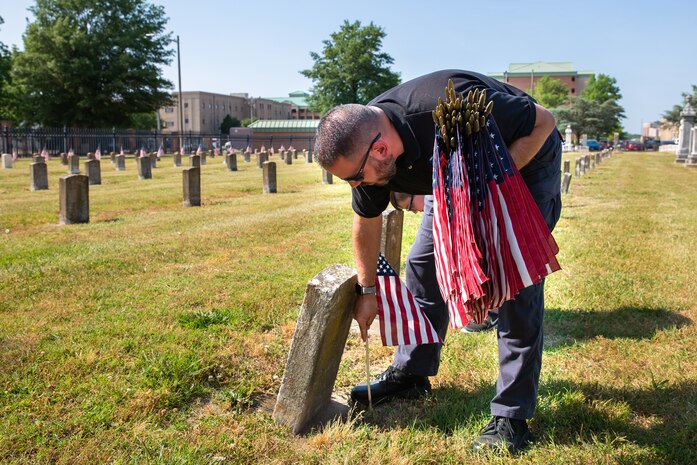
x=159, y=334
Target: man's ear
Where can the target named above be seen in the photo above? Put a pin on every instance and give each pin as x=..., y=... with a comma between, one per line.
x=382, y=149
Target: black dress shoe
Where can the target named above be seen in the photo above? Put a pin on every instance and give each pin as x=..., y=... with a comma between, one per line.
x=393, y=383
x=503, y=433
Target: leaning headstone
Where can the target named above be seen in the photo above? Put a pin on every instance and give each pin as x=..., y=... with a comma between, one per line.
x=565, y=183
x=38, y=175
x=289, y=159
x=153, y=159
x=192, y=186
x=195, y=160
x=73, y=192
x=120, y=162
x=144, y=168
x=567, y=166
x=231, y=161
x=391, y=238
x=326, y=177
x=269, y=176
x=93, y=170
x=74, y=164
x=6, y=161
x=305, y=396
x=177, y=159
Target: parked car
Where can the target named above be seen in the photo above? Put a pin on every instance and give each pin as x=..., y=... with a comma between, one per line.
x=651, y=144
x=633, y=146
x=593, y=145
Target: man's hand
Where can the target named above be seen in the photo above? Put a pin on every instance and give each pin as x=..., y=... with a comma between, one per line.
x=364, y=312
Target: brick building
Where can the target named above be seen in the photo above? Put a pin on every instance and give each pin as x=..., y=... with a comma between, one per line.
x=524, y=76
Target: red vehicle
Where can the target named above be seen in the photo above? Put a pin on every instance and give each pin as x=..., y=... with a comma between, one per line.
x=633, y=146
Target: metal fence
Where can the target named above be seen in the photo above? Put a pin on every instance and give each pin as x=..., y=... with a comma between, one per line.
x=80, y=140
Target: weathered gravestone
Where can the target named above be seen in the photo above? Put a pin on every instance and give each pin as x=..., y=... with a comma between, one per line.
x=204, y=155
x=177, y=159
x=247, y=157
x=289, y=159
x=195, y=160
x=391, y=238
x=90, y=156
x=269, y=173
x=567, y=166
x=294, y=154
x=262, y=157
x=231, y=161
x=192, y=186
x=74, y=164
x=93, y=170
x=120, y=162
x=6, y=161
x=308, y=157
x=153, y=160
x=692, y=158
x=305, y=397
x=64, y=159
x=327, y=177
x=38, y=175
x=578, y=167
x=112, y=155
x=687, y=119
x=144, y=167
x=282, y=154
x=37, y=157
x=565, y=183
x=73, y=192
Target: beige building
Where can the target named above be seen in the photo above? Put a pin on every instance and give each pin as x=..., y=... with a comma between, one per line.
x=524, y=76
x=203, y=111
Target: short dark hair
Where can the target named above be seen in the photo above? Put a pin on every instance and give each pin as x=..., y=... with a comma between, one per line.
x=343, y=131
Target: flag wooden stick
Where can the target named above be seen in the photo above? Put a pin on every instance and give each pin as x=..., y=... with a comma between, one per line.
x=367, y=374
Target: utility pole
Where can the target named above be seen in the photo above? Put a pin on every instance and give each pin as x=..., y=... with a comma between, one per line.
x=181, y=106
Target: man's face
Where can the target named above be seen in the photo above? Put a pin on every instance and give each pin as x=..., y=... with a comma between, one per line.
x=375, y=168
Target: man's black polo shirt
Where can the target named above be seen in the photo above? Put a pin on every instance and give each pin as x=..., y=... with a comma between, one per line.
x=409, y=107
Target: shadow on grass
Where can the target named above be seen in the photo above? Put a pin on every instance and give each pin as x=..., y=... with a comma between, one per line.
x=661, y=420
x=565, y=327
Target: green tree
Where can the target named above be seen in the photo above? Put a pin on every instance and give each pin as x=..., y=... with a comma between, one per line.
x=229, y=122
x=247, y=121
x=351, y=68
x=91, y=63
x=671, y=118
x=146, y=120
x=5, y=65
x=598, y=120
x=549, y=92
x=601, y=89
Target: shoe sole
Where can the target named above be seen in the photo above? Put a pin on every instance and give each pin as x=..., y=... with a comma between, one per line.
x=407, y=394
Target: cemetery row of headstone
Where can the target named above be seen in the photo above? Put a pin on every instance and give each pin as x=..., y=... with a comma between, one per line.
x=583, y=165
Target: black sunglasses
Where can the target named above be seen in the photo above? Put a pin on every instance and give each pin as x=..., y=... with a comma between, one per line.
x=359, y=175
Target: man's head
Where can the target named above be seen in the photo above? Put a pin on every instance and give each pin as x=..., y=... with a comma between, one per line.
x=352, y=143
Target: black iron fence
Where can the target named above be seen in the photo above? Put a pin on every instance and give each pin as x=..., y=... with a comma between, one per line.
x=80, y=140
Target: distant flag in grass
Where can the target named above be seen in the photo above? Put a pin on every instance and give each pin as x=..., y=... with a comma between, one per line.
x=160, y=152
x=199, y=150
x=290, y=149
x=142, y=152
x=71, y=152
x=98, y=154
x=248, y=149
x=181, y=150
x=282, y=149
x=121, y=153
x=402, y=322
x=216, y=151
x=44, y=153
x=14, y=154
x=263, y=148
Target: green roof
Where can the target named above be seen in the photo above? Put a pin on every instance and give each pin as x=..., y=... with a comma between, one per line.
x=285, y=125
x=298, y=98
x=542, y=68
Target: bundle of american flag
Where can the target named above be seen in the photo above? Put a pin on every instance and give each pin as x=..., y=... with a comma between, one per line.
x=489, y=237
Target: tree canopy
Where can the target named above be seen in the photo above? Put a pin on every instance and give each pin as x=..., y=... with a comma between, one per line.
x=351, y=68
x=91, y=63
x=601, y=89
x=229, y=122
x=5, y=65
x=671, y=117
x=549, y=92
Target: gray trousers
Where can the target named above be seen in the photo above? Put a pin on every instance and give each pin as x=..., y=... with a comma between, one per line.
x=519, y=330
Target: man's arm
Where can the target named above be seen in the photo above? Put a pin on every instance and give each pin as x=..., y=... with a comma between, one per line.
x=366, y=246
x=524, y=149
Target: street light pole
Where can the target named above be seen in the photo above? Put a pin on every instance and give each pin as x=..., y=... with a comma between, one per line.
x=181, y=106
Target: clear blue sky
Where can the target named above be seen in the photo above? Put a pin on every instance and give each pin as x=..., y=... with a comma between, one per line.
x=259, y=46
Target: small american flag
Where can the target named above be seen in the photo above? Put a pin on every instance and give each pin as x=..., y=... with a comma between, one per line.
x=216, y=151
x=142, y=152
x=160, y=152
x=248, y=149
x=401, y=320
x=121, y=153
x=14, y=154
x=44, y=153
x=181, y=150
x=97, y=154
x=199, y=150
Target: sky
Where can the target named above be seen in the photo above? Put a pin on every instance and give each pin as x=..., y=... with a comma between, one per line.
x=259, y=47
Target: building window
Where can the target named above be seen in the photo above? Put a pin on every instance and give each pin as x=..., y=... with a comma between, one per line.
x=573, y=90
x=210, y=106
x=186, y=120
x=573, y=78
x=203, y=121
x=170, y=124
x=186, y=105
x=169, y=110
